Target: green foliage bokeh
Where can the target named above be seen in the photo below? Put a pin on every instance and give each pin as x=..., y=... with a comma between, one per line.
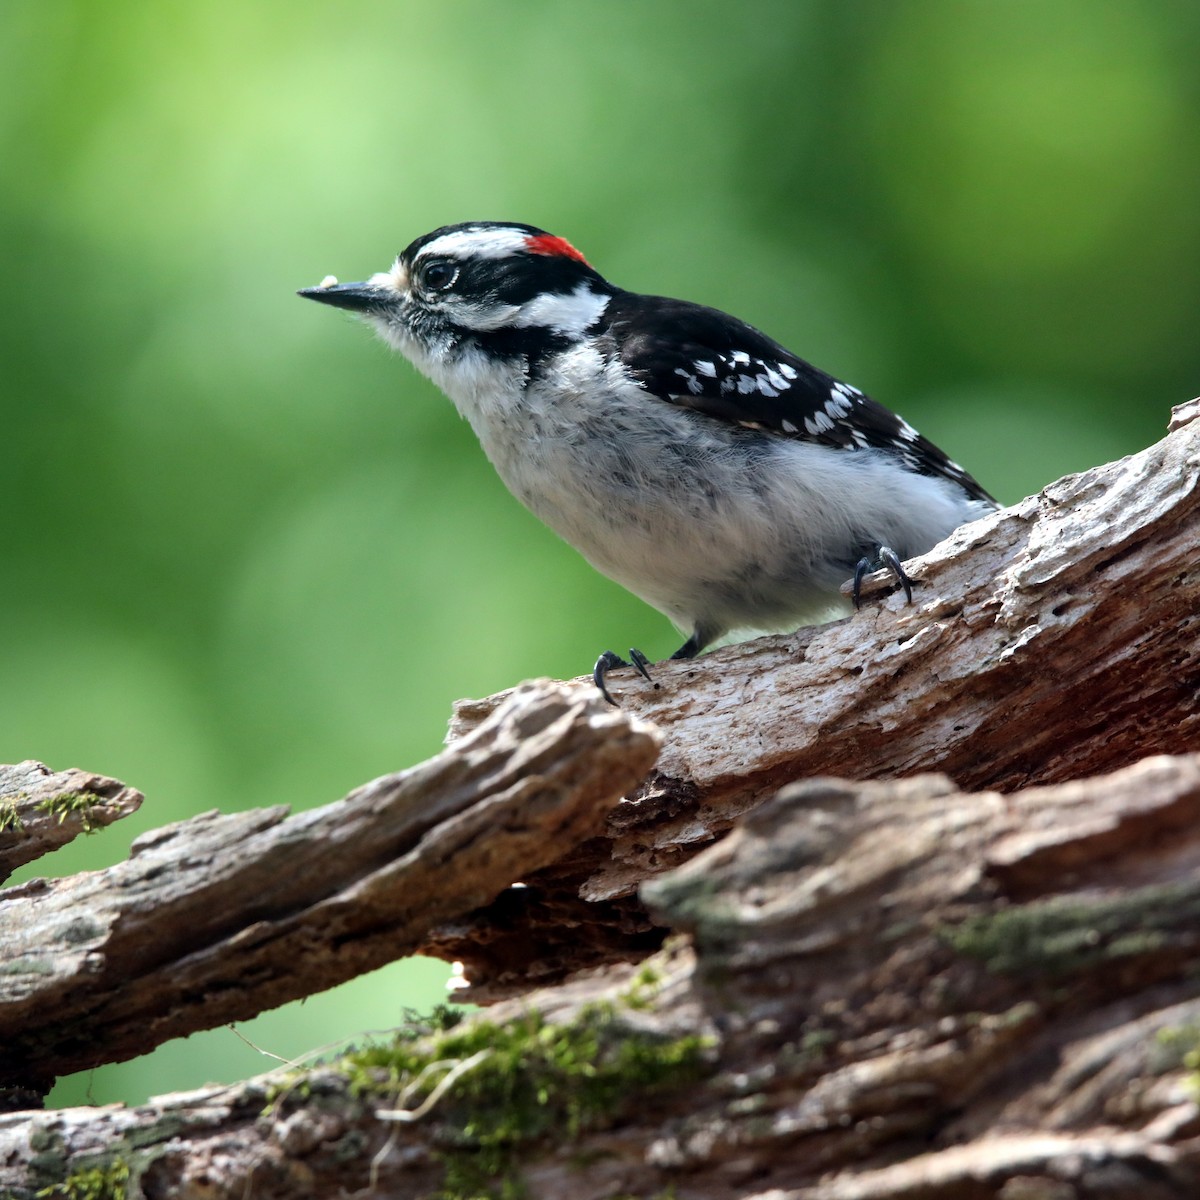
x=250, y=558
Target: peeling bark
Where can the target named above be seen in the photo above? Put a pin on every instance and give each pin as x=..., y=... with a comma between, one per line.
x=41, y=810
x=981, y=983
x=219, y=917
x=1055, y=639
x=903, y=992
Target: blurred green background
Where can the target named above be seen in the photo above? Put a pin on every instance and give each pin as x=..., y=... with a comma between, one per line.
x=250, y=557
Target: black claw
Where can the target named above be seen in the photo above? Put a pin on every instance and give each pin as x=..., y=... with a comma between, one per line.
x=860, y=569
x=891, y=560
x=609, y=661
x=605, y=663
x=641, y=664
x=884, y=556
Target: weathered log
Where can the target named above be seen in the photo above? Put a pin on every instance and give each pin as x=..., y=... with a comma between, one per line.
x=219, y=917
x=882, y=991
x=877, y=990
x=1058, y=638
x=41, y=810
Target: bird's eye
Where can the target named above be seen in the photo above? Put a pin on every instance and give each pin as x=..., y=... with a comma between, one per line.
x=438, y=276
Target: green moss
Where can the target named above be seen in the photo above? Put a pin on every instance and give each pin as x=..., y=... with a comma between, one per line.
x=642, y=988
x=1063, y=936
x=532, y=1082
x=1179, y=1045
x=816, y=1042
x=441, y=1019
x=9, y=817
x=107, y=1182
x=1183, y=1042
x=73, y=804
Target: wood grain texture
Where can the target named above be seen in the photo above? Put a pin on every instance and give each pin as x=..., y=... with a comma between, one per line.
x=41, y=809
x=222, y=916
x=975, y=984
x=1055, y=639
x=909, y=991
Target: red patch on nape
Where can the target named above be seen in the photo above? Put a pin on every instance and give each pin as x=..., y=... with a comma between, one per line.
x=547, y=243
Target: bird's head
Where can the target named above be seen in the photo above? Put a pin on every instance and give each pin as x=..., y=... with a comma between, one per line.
x=510, y=291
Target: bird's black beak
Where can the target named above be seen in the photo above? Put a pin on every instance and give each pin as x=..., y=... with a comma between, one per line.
x=361, y=297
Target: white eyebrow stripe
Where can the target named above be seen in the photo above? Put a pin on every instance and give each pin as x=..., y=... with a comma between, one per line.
x=477, y=242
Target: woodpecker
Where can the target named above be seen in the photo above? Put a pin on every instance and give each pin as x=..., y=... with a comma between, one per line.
x=712, y=472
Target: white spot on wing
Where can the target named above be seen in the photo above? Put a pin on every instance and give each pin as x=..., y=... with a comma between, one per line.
x=707, y=369
x=837, y=404
x=694, y=384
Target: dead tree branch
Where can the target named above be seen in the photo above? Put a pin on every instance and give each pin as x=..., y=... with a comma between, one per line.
x=41, y=810
x=977, y=984
x=884, y=990
x=1057, y=639
x=220, y=917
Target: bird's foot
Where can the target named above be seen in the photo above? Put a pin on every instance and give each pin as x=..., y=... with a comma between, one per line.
x=884, y=556
x=609, y=661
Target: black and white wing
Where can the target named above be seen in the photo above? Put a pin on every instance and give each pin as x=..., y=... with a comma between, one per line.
x=706, y=360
